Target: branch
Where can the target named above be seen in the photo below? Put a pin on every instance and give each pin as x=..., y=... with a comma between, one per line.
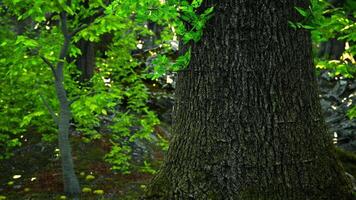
x=77, y=30
x=50, y=65
x=50, y=109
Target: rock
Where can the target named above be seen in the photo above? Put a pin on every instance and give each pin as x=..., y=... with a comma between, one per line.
x=336, y=98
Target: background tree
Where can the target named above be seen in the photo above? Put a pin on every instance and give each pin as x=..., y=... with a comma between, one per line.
x=116, y=92
x=250, y=124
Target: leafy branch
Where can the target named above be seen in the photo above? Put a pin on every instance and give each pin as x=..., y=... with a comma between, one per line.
x=193, y=23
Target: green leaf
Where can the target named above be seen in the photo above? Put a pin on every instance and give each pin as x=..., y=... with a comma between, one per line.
x=302, y=12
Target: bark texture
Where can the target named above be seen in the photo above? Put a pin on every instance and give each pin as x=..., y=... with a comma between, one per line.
x=248, y=123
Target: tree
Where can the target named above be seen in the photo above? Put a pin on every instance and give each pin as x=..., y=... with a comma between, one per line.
x=40, y=65
x=248, y=123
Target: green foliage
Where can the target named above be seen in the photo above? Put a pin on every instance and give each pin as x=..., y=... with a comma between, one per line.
x=114, y=100
x=182, y=20
x=147, y=168
x=119, y=157
x=328, y=22
x=195, y=21
x=162, y=64
x=352, y=112
x=20, y=103
x=337, y=68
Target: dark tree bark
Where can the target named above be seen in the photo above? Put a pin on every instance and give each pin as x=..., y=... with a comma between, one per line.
x=86, y=61
x=248, y=123
x=332, y=49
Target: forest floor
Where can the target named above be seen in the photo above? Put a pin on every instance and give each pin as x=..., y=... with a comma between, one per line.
x=34, y=173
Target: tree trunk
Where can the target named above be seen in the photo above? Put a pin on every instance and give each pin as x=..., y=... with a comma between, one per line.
x=70, y=181
x=248, y=123
x=332, y=49
x=86, y=61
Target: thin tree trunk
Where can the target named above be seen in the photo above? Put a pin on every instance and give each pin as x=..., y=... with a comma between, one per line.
x=70, y=181
x=248, y=123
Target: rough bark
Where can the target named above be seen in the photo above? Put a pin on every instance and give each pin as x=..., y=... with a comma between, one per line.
x=248, y=123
